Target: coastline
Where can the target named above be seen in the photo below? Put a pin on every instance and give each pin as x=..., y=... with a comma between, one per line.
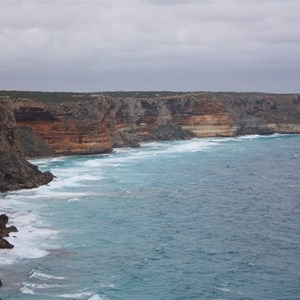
x=72, y=192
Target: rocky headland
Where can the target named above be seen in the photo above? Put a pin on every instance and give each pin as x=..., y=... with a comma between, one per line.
x=15, y=171
x=74, y=123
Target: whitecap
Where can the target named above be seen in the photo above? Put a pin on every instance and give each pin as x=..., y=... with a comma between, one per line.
x=39, y=286
x=223, y=289
x=45, y=193
x=108, y=285
x=71, y=179
x=257, y=136
x=194, y=145
x=43, y=276
x=73, y=200
x=26, y=290
x=249, y=137
x=79, y=295
x=95, y=297
x=49, y=159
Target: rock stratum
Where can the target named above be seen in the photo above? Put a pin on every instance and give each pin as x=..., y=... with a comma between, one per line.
x=15, y=171
x=74, y=123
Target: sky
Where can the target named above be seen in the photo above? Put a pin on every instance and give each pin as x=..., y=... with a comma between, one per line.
x=150, y=45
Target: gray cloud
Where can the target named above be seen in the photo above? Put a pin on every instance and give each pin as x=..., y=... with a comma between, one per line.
x=150, y=45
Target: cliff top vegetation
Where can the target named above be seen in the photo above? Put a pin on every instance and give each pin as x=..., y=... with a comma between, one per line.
x=59, y=97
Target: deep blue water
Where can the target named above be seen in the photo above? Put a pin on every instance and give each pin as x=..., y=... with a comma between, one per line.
x=200, y=219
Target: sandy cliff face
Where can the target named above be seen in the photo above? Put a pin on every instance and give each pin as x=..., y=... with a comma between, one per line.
x=95, y=126
x=15, y=171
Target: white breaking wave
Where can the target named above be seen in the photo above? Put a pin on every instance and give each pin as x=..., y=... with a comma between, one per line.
x=78, y=295
x=223, y=289
x=148, y=151
x=26, y=290
x=37, y=286
x=43, y=276
x=96, y=297
x=194, y=145
x=74, y=199
x=46, y=194
x=33, y=237
x=46, y=161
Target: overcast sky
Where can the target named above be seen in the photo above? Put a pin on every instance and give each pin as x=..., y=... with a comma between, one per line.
x=178, y=45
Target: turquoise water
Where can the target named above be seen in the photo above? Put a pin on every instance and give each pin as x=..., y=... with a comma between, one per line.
x=200, y=219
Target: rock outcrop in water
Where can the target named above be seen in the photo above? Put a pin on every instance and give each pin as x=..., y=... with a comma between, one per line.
x=5, y=231
x=95, y=123
x=15, y=171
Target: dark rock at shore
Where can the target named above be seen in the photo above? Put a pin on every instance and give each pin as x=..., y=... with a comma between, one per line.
x=4, y=244
x=5, y=231
x=3, y=220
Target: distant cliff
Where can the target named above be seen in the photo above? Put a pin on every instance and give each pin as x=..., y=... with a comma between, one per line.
x=15, y=171
x=95, y=123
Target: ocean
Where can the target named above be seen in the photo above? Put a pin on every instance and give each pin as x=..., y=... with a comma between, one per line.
x=215, y=218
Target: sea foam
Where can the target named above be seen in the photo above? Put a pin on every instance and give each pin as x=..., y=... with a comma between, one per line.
x=33, y=236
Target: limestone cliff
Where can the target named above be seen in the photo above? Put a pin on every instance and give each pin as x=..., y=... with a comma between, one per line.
x=15, y=171
x=203, y=114
x=95, y=123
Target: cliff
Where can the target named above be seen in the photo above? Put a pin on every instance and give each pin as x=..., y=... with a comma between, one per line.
x=15, y=171
x=205, y=114
x=95, y=123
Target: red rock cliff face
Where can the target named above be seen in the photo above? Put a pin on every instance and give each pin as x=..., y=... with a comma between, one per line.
x=95, y=126
x=68, y=129
x=15, y=171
